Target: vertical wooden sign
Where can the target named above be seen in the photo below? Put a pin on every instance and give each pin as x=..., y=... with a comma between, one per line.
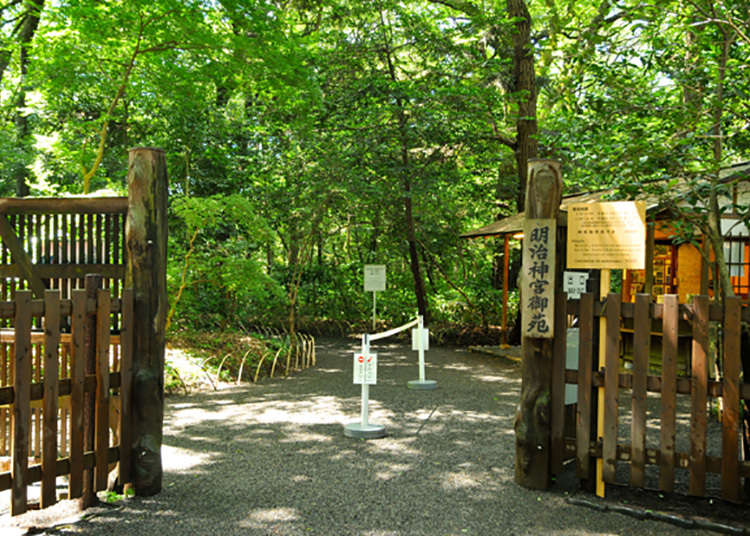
x=532, y=427
x=538, y=265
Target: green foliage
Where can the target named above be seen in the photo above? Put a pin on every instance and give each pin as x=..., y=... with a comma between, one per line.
x=296, y=132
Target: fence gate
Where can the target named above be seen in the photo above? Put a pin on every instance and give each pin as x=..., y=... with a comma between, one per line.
x=56, y=319
x=671, y=409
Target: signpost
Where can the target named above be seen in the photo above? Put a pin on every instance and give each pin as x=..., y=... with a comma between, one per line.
x=420, y=341
x=366, y=374
x=374, y=282
x=538, y=278
x=607, y=236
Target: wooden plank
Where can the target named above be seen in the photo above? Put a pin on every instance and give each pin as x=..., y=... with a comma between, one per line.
x=64, y=412
x=12, y=242
x=65, y=247
x=699, y=398
x=557, y=387
x=22, y=403
x=730, y=480
x=67, y=271
x=4, y=430
x=62, y=205
x=101, y=441
x=126, y=386
x=668, y=393
x=713, y=464
x=641, y=348
x=611, y=366
x=93, y=283
x=78, y=358
x=90, y=238
x=36, y=450
x=585, y=363
x=51, y=376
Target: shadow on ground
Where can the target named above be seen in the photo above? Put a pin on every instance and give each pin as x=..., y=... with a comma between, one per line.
x=272, y=459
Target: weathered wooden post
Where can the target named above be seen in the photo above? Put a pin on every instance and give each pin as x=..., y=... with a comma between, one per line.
x=146, y=242
x=88, y=497
x=538, y=286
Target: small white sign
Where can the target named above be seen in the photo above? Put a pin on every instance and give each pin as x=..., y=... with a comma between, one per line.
x=574, y=283
x=366, y=369
x=425, y=339
x=374, y=277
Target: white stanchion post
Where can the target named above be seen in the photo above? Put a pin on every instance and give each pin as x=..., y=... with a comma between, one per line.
x=365, y=429
x=422, y=383
x=365, y=417
x=420, y=346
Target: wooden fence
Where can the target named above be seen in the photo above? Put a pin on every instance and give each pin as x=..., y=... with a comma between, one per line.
x=54, y=243
x=57, y=391
x=683, y=409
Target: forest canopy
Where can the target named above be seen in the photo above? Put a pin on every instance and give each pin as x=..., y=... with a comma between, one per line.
x=306, y=138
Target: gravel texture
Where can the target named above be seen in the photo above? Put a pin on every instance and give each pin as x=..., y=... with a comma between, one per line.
x=272, y=459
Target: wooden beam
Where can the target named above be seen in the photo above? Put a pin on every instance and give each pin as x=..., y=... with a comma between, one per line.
x=64, y=205
x=23, y=261
x=64, y=271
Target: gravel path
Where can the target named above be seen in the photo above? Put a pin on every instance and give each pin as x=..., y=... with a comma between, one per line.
x=272, y=459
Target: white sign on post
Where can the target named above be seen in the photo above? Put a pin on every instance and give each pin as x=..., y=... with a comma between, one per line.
x=425, y=339
x=365, y=369
x=574, y=283
x=374, y=277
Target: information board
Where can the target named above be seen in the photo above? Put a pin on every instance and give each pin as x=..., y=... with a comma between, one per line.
x=425, y=339
x=574, y=284
x=608, y=235
x=538, y=277
x=365, y=369
x=374, y=277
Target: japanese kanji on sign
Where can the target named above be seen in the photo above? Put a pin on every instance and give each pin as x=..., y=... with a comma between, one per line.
x=538, y=278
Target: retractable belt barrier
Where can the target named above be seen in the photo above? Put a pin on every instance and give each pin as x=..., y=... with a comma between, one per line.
x=365, y=373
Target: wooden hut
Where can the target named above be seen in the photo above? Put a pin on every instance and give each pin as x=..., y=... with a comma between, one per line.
x=674, y=265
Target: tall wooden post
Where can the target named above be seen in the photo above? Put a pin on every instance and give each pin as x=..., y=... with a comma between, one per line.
x=146, y=242
x=88, y=495
x=538, y=286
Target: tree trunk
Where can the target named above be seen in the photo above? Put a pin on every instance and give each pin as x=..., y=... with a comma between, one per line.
x=524, y=86
x=25, y=35
x=146, y=242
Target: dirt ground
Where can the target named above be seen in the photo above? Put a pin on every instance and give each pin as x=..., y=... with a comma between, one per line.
x=272, y=458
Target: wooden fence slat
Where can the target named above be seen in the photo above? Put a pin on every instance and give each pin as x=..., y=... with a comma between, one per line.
x=22, y=402
x=4, y=432
x=668, y=393
x=51, y=375
x=93, y=283
x=730, y=480
x=641, y=348
x=78, y=359
x=101, y=442
x=126, y=385
x=611, y=369
x=37, y=358
x=585, y=361
x=557, y=387
x=699, y=390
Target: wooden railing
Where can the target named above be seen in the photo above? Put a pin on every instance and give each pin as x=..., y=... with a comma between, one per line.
x=58, y=391
x=694, y=381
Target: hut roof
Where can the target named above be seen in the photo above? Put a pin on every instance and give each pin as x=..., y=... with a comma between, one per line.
x=514, y=223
